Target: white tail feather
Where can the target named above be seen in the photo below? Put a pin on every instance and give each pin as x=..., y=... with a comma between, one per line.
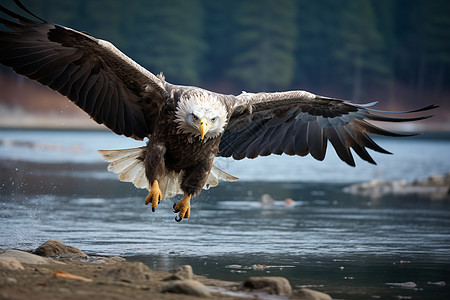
x=215, y=175
x=127, y=164
x=130, y=167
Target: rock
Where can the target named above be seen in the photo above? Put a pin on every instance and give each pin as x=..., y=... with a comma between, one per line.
x=266, y=199
x=54, y=248
x=129, y=272
x=117, y=258
x=9, y=281
x=111, y=260
x=10, y=263
x=275, y=285
x=258, y=267
x=233, y=267
x=435, y=186
x=307, y=294
x=289, y=202
x=188, y=287
x=408, y=284
x=25, y=257
x=181, y=273
x=43, y=271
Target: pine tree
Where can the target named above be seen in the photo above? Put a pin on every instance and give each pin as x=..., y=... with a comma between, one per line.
x=423, y=56
x=317, y=39
x=219, y=25
x=107, y=18
x=168, y=38
x=361, y=45
x=437, y=42
x=264, y=44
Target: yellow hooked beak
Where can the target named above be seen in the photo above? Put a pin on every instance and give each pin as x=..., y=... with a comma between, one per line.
x=203, y=128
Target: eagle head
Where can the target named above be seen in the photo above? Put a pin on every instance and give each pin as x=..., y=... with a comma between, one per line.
x=201, y=114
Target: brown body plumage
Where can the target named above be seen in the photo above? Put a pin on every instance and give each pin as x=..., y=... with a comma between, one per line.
x=169, y=149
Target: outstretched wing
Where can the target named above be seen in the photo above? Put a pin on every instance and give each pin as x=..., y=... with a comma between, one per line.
x=298, y=123
x=113, y=89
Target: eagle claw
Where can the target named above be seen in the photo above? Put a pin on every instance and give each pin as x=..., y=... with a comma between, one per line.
x=154, y=196
x=175, y=210
x=183, y=208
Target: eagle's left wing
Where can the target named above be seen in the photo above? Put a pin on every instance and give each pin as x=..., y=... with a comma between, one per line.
x=299, y=123
x=108, y=85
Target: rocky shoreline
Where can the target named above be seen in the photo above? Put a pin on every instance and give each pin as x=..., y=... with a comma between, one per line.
x=56, y=271
x=435, y=186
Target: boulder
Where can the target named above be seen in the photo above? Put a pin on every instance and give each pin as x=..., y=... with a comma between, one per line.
x=187, y=287
x=274, y=285
x=54, y=248
x=25, y=257
x=307, y=294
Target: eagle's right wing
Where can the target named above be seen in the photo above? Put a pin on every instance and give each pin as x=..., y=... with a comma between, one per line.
x=113, y=89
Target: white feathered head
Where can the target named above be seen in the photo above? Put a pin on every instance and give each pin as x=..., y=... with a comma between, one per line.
x=201, y=113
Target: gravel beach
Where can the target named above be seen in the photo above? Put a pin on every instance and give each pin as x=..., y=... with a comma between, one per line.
x=56, y=271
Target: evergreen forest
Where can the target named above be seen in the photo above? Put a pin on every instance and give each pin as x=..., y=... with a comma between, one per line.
x=353, y=49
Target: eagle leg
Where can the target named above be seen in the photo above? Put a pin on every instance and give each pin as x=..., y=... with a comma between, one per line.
x=154, y=195
x=183, y=208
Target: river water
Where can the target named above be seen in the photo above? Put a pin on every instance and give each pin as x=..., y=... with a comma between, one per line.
x=54, y=185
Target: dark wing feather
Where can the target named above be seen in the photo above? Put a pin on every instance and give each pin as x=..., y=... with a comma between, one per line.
x=96, y=76
x=300, y=123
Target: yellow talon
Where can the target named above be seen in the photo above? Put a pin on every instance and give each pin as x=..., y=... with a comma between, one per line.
x=183, y=208
x=154, y=195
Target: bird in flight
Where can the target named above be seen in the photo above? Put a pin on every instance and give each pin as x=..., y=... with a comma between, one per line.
x=186, y=127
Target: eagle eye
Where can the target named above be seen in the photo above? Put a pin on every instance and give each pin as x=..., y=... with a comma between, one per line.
x=213, y=120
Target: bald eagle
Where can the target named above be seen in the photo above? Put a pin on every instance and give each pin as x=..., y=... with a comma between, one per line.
x=186, y=127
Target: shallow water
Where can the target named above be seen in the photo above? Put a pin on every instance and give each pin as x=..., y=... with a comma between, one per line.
x=54, y=185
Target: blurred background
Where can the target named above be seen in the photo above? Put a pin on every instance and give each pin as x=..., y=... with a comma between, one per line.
x=397, y=52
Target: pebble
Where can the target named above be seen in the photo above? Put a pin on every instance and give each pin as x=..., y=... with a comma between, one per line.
x=181, y=273
x=258, y=267
x=43, y=271
x=188, y=287
x=64, y=290
x=439, y=283
x=130, y=272
x=308, y=294
x=233, y=267
x=266, y=199
x=9, y=280
x=275, y=285
x=111, y=260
